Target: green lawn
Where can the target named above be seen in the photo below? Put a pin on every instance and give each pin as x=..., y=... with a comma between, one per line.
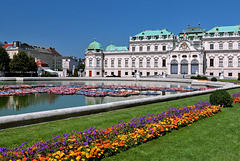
x=229, y=80
x=214, y=138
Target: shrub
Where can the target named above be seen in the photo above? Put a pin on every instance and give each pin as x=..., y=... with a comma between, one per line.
x=214, y=79
x=193, y=77
x=204, y=78
x=198, y=77
x=221, y=97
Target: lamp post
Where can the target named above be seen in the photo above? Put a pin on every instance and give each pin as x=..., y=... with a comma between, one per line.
x=102, y=63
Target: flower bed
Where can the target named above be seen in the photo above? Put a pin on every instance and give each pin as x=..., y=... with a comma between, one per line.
x=236, y=97
x=96, y=143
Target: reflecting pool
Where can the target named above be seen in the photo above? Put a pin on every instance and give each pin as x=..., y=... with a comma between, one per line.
x=13, y=105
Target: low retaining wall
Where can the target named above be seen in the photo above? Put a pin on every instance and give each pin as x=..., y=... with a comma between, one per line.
x=36, y=117
x=191, y=81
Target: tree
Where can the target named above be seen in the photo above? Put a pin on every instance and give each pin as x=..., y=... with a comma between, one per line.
x=22, y=63
x=75, y=74
x=32, y=64
x=81, y=66
x=4, y=60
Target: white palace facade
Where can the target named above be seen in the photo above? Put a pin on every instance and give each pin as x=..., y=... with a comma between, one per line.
x=154, y=52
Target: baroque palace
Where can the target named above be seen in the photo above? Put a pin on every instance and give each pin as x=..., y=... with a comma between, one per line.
x=154, y=52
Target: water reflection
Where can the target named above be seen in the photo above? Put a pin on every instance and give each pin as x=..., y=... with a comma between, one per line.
x=18, y=102
x=40, y=102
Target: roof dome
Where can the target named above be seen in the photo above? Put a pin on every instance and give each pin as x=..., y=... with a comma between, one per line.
x=110, y=47
x=95, y=45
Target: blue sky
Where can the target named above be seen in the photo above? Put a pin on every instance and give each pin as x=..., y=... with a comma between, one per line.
x=71, y=25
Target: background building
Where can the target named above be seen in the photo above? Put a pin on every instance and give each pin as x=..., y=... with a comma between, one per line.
x=154, y=52
x=69, y=63
x=48, y=55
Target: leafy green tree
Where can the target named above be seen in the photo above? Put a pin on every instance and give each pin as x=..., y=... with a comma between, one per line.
x=75, y=74
x=32, y=64
x=22, y=63
x=81, y=66
x=4, y=60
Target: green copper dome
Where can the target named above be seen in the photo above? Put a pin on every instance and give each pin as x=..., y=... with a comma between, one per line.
x=116, y=48
x=95, y=45
x=110, y=47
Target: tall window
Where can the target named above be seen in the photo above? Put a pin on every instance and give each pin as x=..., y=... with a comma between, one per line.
x=164, y=62
x=230, y=62
x=98, y=63
x=112, y=63
x=126, y=62
x=140, y=48
x=221, y=62
x=140, y=63
x=230, y=46
x=156, y=48
x=238, y=62
x=133, y=48
x=148, y=62
x=133, y=62
x=148, y=48
x=90, y=63
x=221, y=46
x=211, y=62
x=164, y=48
x=119, y=62
x=156, y=63
x=238, y=45
x=105, y=62
x=211, y=46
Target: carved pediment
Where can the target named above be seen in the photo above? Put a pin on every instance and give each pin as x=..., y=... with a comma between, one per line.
x=184, y=46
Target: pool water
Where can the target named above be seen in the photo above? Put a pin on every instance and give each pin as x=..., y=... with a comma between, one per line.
x=13, y=105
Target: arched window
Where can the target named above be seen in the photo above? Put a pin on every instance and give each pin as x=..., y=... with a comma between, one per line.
x=174, y=67
x=194, y=66
x=184, y=67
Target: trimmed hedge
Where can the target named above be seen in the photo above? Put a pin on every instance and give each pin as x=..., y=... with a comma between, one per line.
x=214, y=79
x=221, y=97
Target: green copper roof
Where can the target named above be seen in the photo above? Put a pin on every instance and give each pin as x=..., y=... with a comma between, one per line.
x=193, y=30
x=116, y=48
x=154, y=33
x=95, y=45
x=110, y=47
x=224, y=29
